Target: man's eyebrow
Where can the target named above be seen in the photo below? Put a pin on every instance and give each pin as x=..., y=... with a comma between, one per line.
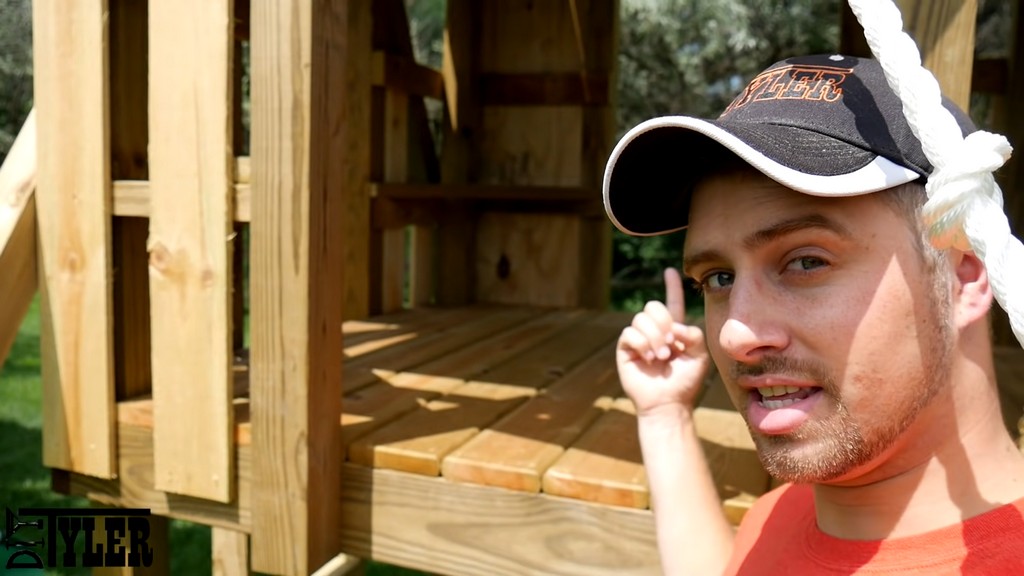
x=773, y=232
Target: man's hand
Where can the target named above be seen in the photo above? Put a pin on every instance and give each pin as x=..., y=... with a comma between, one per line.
x=662, y=362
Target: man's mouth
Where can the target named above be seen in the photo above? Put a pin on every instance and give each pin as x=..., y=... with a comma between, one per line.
x=775, y=397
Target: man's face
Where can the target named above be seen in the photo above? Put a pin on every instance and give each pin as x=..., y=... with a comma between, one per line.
x=822, y=319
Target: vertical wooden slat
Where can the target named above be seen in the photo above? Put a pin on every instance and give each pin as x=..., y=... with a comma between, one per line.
x=944, y=32
x=129, y=139
x=191, y=165
x=230, y=552
x=1011, y=178
x=457, y=230
x=396, y=169
x=73, y=203
x=17, y=234
x=310, y=217
x=600, y=27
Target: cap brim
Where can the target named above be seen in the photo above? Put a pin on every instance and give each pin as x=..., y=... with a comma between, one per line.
x=652, y=170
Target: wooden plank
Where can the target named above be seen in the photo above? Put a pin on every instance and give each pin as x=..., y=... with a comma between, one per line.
x=730, y=451
x=422, y=265
x=944, y=32
x=420, y=441
x=230, y=552
x=73, y=214
x=378, y=400
x=403, y=74
x=396, y=169
x=409, y=354
x=399, y=393
x=515, y=452
x=528, y=259
x=1010, y=121
x=461, y=529
x=309, y=266
x=604, y=465
x=386, y=336
x=129, y=141
x=131, y=198
x=599, y=19
x=190, y=245
x=134, y=486
x=457, y=228
x=17, y=233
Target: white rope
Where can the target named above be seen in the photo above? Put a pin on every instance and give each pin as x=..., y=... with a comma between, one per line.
x=965, y=206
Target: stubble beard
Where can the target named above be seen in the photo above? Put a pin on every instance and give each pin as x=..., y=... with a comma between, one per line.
x=825, y=449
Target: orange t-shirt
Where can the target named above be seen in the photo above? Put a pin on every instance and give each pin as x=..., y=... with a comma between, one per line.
x=780, y=535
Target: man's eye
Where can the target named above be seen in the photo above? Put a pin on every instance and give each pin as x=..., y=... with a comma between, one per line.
x=717, y=281
x=805, y=263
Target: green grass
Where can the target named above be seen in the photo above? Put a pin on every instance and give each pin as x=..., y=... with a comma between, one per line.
x=25, y=482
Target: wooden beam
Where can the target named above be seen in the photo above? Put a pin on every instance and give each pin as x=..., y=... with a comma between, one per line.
x=135, y=487
x=18, y=258
x=944, y=32
x=404, y=74
x=310, y=223
x=230, y=552
x=190, y=244
x=73, y=208
x=461, y=529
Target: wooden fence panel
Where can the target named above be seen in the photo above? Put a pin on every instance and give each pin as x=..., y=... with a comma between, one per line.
x=190, y=243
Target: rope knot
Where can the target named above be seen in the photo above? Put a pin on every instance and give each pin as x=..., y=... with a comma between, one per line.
x=962, y=179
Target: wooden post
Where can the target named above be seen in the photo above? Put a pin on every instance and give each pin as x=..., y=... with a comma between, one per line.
x=190, y=242
x=310, y=221
x=230, y=552
x=459, y=156
x=944, y=33
x=73, y=205
x=17, y=234
x=1011, y=177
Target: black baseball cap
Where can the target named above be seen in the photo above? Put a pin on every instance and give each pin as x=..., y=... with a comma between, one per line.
x=825, y=125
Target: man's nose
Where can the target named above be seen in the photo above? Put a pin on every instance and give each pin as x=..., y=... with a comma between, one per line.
x=754, y=323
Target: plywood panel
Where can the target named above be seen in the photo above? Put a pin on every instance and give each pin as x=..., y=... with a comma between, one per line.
x=73, y=206
x=605, y=464
x=528, y=259
x=17, y=234
x=190, y=236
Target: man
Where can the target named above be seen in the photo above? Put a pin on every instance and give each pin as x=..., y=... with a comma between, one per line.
x=859, y=355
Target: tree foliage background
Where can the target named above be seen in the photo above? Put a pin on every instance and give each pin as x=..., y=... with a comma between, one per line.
x=676, y=56
x=15, y=69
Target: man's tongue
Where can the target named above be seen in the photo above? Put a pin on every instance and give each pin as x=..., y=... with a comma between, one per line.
x=782, y=413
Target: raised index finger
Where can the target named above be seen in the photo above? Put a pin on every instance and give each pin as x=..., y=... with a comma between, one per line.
x=674, y=295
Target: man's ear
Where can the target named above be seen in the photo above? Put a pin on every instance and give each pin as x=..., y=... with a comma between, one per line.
x=972, y=295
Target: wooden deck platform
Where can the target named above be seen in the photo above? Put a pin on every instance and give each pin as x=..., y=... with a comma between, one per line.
x=485, y=439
